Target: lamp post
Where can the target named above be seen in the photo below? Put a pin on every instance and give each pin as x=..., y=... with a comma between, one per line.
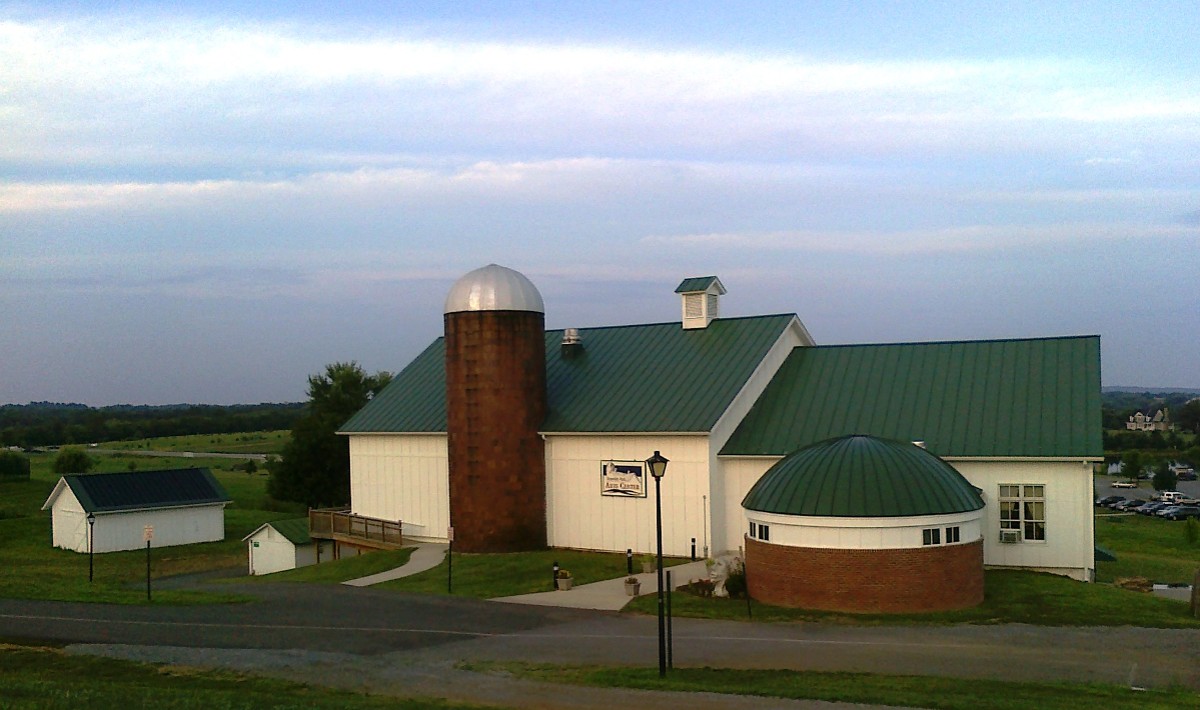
x=658, y=467
x=91, y=520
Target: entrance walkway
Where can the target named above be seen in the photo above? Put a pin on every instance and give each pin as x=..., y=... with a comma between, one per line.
x=609, y=595
x=426, y=556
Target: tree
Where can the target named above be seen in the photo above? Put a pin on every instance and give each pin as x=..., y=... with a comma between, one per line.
x=1188, y=416
x=315, y=464
x=1131, y=464
x=13, y=465
x=1164, y=478
x=72, y=460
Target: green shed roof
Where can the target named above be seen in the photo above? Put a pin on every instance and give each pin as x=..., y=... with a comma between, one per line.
x=294, y=529
x=862, y=477
x=636, y=378
x=1034, y=397
x=135, y=490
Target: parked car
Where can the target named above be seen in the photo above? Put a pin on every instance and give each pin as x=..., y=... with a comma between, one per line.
x=1109, y=500
x=1129, y=505
x=1118, y=501
x=1187, y=475
x=1152, y=507
x=1123, y=484
x=1183, y=512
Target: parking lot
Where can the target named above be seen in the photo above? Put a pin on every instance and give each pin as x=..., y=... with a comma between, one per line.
x=1144, y=492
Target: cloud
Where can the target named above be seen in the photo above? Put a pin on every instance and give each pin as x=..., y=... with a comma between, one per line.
x=964, y=239
x=232, y=94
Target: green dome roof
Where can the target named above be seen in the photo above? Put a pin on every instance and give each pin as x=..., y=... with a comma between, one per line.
x=862, y=477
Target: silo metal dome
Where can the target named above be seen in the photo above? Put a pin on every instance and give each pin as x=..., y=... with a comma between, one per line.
x=494, y=288
x=862, y=476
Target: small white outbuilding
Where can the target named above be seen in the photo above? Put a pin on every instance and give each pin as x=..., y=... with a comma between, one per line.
x=284, y=544
x=179, y=506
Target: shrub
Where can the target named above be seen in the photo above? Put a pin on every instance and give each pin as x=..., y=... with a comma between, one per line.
x=13, y=465
x=72, y=461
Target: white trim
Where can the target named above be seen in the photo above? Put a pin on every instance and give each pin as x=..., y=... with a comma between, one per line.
x=390, y=433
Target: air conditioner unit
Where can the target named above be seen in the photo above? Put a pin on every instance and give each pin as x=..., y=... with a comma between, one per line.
x=1009, y=536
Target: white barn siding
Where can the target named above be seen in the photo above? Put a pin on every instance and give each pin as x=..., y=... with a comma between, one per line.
x=738, y=476
x=276, y=553
x=69, y=522
x=864, y=533
x=124, y=530
x=402, y=477
x=1069, y=548
x=579, y=517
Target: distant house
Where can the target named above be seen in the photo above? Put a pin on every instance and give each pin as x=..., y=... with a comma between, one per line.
x=1161, y=421
x=182, y=506
x=284, y=544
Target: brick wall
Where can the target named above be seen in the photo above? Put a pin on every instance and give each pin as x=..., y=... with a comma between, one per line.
x=933, y=578
x=496, y=401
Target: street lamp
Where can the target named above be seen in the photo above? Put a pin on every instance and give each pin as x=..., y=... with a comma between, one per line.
x=658, y=468
x=91, y=518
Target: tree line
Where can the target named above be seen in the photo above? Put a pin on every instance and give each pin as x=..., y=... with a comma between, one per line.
x=58, y=424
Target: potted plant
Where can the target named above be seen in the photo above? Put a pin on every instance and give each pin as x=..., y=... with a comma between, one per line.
x=648, y=565
x=564, y=580
x=633, y=586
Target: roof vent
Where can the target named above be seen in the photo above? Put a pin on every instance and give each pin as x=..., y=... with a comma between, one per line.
x=572, y=344
x=700, y=296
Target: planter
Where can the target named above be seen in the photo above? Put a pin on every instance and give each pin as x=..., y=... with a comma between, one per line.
x=648, y=567
x=633, y=588
x=564, y=583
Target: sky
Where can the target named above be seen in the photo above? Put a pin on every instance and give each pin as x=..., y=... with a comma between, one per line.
x=209, y=202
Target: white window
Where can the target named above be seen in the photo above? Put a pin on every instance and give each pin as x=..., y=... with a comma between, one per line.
x=760, y=532
x=931, y=536
x=753, y=530
x=1023, y=507
x=952, y=535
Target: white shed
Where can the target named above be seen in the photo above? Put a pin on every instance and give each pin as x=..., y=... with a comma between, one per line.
x=284, y=544
x=183, y=506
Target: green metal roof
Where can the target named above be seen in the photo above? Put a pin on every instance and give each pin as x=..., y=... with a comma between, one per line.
x=698, y=283
x=294, y=529
x=1035, y=397
x=862, y=477
x=637, y=378
x=134, y=490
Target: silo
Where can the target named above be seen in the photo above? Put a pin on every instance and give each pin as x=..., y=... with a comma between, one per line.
x=495, y=404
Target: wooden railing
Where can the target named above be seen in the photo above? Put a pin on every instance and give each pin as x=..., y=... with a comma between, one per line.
x=340, y=523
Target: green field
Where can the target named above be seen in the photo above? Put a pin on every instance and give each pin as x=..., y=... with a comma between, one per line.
x=33, y=569
x=1010, y=597
x=1146, y=546
x=45, y=678
x=254, y=442
x=876, y=689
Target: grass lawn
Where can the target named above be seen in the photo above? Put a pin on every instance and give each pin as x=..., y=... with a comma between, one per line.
x=338, y=571
x=1010, y=596
x=251, y=442
x=911, y=691
x=48, y=678
x=33, y=569
x=503, y=575
x=1148, y=547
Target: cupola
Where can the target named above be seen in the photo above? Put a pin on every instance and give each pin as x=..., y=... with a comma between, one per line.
x=700, y=295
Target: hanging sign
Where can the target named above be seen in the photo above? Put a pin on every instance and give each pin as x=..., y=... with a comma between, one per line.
x=624, y=479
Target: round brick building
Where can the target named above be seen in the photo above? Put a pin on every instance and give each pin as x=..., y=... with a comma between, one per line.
x=495, y=405
x=862, y=524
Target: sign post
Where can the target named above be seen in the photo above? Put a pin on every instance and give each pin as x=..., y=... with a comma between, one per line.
x=148, y=535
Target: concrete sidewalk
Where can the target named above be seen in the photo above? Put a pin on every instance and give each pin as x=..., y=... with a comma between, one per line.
x=426, y=556
x=609, y=595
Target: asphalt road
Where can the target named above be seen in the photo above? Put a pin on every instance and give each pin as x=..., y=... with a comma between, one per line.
x=408, y=644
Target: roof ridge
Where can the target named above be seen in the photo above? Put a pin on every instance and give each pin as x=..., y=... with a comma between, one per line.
x=672, y=322
x=963, y=341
